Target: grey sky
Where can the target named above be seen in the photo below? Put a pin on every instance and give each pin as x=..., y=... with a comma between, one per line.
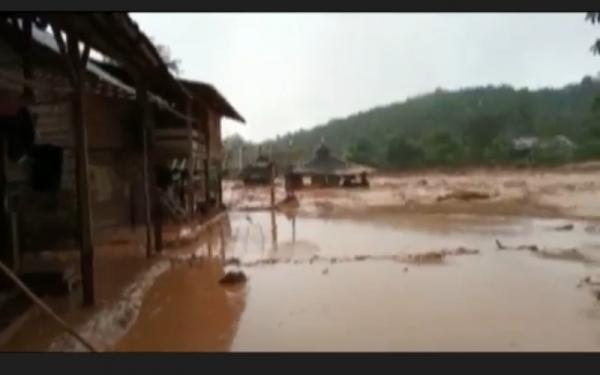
x=289, y=71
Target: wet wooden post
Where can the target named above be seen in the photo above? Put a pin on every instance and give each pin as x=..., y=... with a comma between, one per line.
x=220, y=184
x=272, y=185
x=144, y=107
x=222, y=240
x=5, y=233
x=78, y=62
x=158, y=220
x=209, y=241
x=293, y=228
x=273, y=229
x=207, y=158
x=191, y=159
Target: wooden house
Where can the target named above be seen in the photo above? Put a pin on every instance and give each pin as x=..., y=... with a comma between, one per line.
x=101, y=126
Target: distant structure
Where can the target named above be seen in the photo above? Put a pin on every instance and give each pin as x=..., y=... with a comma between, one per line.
x=259, y=172
x=523, y=147
x=326, y=170
x=559, y=145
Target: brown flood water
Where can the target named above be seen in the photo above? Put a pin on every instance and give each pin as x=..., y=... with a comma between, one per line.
x=494, y=300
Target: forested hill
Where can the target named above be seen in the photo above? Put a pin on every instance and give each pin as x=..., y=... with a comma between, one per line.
x=473, y=125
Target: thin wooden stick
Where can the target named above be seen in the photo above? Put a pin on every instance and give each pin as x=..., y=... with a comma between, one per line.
x=46, y=308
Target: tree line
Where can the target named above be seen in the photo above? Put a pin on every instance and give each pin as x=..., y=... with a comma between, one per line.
x=472, y=126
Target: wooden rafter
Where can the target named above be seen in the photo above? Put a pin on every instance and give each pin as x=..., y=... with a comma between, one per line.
x=60, y=42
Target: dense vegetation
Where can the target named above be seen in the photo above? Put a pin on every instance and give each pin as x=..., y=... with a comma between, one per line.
x=468, y=126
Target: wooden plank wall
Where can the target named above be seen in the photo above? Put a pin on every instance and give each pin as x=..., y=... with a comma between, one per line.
x=115, y=163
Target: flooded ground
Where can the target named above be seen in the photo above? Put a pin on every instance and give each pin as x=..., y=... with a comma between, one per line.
x=515, y=271
x=322, y=291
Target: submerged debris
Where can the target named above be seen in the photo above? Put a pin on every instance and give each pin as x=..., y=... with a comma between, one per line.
x=233, y=277
x=325, y=271
x=429, y=257
x=593, y=228
x=500, y=246
x=464, y=195
x=562, y=254
x=565, y=227
x=566, y=254
x=461, y=251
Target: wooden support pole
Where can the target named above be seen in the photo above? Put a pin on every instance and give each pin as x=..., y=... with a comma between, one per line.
x=207, y=157
x=272, y=179
x=148, y=163
x=191, y=160
x=26, y=53
x=220, y=184
x=82, y=171
x=294, y=228
x=25, y=289
x=6, y=253
x=206, y=179
x=274, y=229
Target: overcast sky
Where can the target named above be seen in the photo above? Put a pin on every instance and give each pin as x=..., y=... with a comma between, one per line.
x=289, y=71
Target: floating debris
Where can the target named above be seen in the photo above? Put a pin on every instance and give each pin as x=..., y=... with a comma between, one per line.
x=233, y=277
x=565, y=227
x=500, y=246
x=564, y=254
x=461, y=251
x=429, y=257
x=464, y=195
x=593, y=228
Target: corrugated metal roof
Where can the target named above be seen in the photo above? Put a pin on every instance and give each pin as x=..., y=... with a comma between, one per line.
x=209, y=94
x=46, y=39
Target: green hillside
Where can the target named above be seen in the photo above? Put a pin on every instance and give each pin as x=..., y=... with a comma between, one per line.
x=468, y=126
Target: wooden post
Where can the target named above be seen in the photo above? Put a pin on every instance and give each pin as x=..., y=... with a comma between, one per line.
x=222, y=242
x=83, y=193
x=294, y=228
x=191, y=161
x=27, y=65
x=144, y=105
x=6, y=246
x=273, y=229
x=207, y=157
x=220, y=187
x=272, y=185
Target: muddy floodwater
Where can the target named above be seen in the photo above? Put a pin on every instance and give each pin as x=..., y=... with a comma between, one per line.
x=344, y=284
